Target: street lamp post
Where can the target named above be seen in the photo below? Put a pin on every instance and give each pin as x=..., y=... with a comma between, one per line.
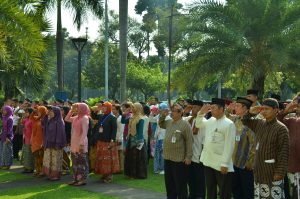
x=170, y=55
x=79, y=43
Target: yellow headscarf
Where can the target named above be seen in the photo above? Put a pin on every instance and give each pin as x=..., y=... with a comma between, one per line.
x=137, y=115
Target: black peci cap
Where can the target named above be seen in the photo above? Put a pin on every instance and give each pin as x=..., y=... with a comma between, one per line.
x=218, y=101
x=244, y=101
x=197, y=103
x=271, y=102
x=276, y=96
x=252, y=92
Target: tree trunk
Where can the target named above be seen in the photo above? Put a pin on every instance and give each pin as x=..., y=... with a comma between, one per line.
x=259, y=84
x=123, y=20
x=59, y=48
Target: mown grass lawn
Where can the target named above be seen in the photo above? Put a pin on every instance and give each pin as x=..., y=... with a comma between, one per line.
x=52, y=191
x=7, y=176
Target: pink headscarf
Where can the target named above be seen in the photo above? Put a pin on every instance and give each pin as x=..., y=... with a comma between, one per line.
x=83, y=109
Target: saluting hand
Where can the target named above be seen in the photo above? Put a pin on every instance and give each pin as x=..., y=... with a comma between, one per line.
x=165, y=113
x=255, y=109
x=205, y=109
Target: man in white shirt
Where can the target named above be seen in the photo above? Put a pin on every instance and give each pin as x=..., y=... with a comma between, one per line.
x=218, y=148
x=196, y=179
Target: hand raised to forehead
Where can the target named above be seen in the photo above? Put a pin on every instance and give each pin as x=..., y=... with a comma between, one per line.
x=255, y=109
x=205, y=109
x=165, y=112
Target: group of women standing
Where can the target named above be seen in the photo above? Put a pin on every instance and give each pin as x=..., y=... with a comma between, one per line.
x=116, y=134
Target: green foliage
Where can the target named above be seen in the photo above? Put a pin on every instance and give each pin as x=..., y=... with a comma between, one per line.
x=250, y=38
x=94, y=73
x=94, y=101
x=21, y=49
x=145, y=79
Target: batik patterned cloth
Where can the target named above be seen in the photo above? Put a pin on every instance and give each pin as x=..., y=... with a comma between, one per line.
x=107, y=158
x=52, y=162
x=6, y=153
x=275, y=190
x=295, y=182
x=38, y=160
x=27, y=157
x=80, y=166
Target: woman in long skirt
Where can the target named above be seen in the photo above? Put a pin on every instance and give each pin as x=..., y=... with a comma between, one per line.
x=27, y=156
x=6, y=149
x=55, y=140
x=136, y=154
x=37, y=137
x=107, y=161
x=79, y=116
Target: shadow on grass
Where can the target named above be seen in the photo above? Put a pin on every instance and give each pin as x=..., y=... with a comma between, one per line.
x=7, y=176
x=154, y=182
x=53, y=191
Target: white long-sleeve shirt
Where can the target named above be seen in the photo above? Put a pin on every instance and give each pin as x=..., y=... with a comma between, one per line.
x=218, y=143
x=160, y=133
x=198, y=140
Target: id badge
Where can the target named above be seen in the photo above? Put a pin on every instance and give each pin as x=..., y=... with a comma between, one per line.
x=237, y=138
x=100, y=129
x=173, y=140
x=257, y=146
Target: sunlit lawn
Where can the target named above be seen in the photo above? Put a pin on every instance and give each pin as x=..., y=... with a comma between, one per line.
x=52, y=191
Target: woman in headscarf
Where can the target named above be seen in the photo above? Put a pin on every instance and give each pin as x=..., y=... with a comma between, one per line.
x=127, y=114
x=107, y=161
x=66, y=150
x=79, y=116
x=136, y=155
x=37, y=138
x=6, y=149
x=55, y=140
x=28, y=160
x=116, y=111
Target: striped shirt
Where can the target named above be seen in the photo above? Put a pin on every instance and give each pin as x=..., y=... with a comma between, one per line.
x=178, y=140
x=272, y=148
x=244, y=150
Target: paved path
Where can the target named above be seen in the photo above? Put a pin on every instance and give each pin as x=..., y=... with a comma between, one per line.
x=93, y=185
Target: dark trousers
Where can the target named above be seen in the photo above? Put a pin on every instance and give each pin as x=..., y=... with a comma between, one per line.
x=17, y=142
x=286, y=187
x=242, y=184
x=214, y=179
x=176, y=174
x=196, y=181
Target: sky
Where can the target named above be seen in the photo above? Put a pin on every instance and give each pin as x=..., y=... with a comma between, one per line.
x=92, y=23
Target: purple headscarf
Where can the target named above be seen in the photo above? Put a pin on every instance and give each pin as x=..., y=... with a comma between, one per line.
x=7, y=124
x=55, y=136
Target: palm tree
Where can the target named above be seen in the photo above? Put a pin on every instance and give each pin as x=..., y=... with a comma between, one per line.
x=21, y=47
x=253, y=37
x=80, y=10
x=123, y=19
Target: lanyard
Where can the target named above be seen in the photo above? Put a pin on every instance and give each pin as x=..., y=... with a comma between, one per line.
x=103, y=120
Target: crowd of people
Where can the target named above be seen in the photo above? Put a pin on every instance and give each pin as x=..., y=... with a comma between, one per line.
x=231, y=148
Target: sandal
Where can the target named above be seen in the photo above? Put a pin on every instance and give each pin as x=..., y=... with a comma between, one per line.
x=107, y=181
x=72, y=182
x=79, y=183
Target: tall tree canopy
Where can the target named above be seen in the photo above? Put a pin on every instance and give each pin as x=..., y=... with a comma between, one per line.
x=252, y=38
